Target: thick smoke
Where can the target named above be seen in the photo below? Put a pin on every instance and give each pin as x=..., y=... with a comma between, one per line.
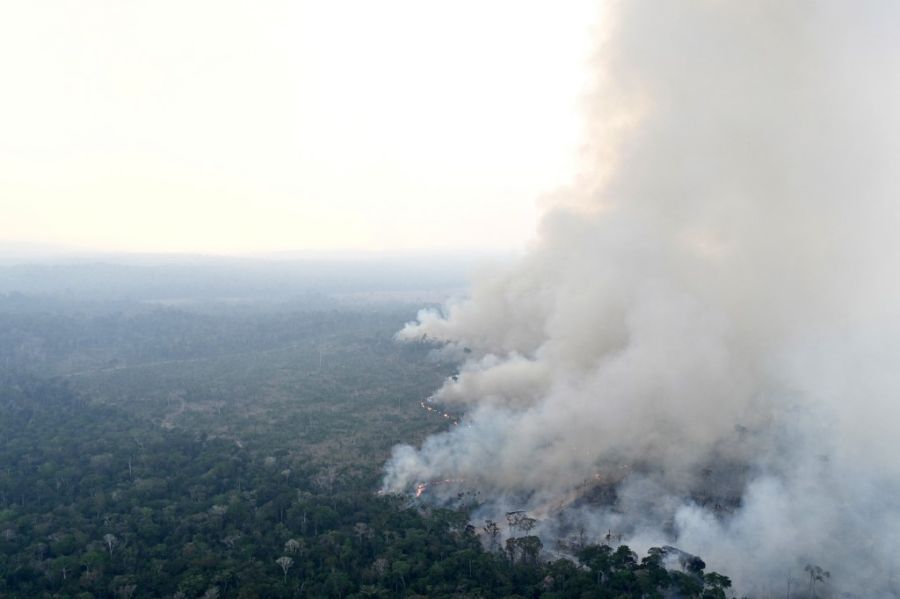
x=703, y=346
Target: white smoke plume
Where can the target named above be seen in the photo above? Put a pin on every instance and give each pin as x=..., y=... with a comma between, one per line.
x=709, y=321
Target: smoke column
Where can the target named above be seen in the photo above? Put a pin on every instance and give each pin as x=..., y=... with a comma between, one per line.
x=709, y=319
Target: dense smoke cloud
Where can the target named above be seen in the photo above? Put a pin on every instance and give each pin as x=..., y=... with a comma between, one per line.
x=709, y=321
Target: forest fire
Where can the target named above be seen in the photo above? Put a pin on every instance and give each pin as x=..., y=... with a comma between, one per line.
x=421, y=488
x=445, y=415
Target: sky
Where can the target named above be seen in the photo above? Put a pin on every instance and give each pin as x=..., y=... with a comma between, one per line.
x=233, y=127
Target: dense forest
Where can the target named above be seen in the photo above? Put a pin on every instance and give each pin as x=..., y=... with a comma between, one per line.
x=156, y=451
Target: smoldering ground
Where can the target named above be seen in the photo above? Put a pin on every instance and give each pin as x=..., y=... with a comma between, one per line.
x=708, y=324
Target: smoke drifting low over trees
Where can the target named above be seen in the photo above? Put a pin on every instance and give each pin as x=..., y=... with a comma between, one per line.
x=708, y=321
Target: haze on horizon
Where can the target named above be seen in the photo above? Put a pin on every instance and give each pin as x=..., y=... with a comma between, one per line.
x=210, y=127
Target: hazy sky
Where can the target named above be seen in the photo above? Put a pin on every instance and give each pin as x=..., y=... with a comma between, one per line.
x=232, y=126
